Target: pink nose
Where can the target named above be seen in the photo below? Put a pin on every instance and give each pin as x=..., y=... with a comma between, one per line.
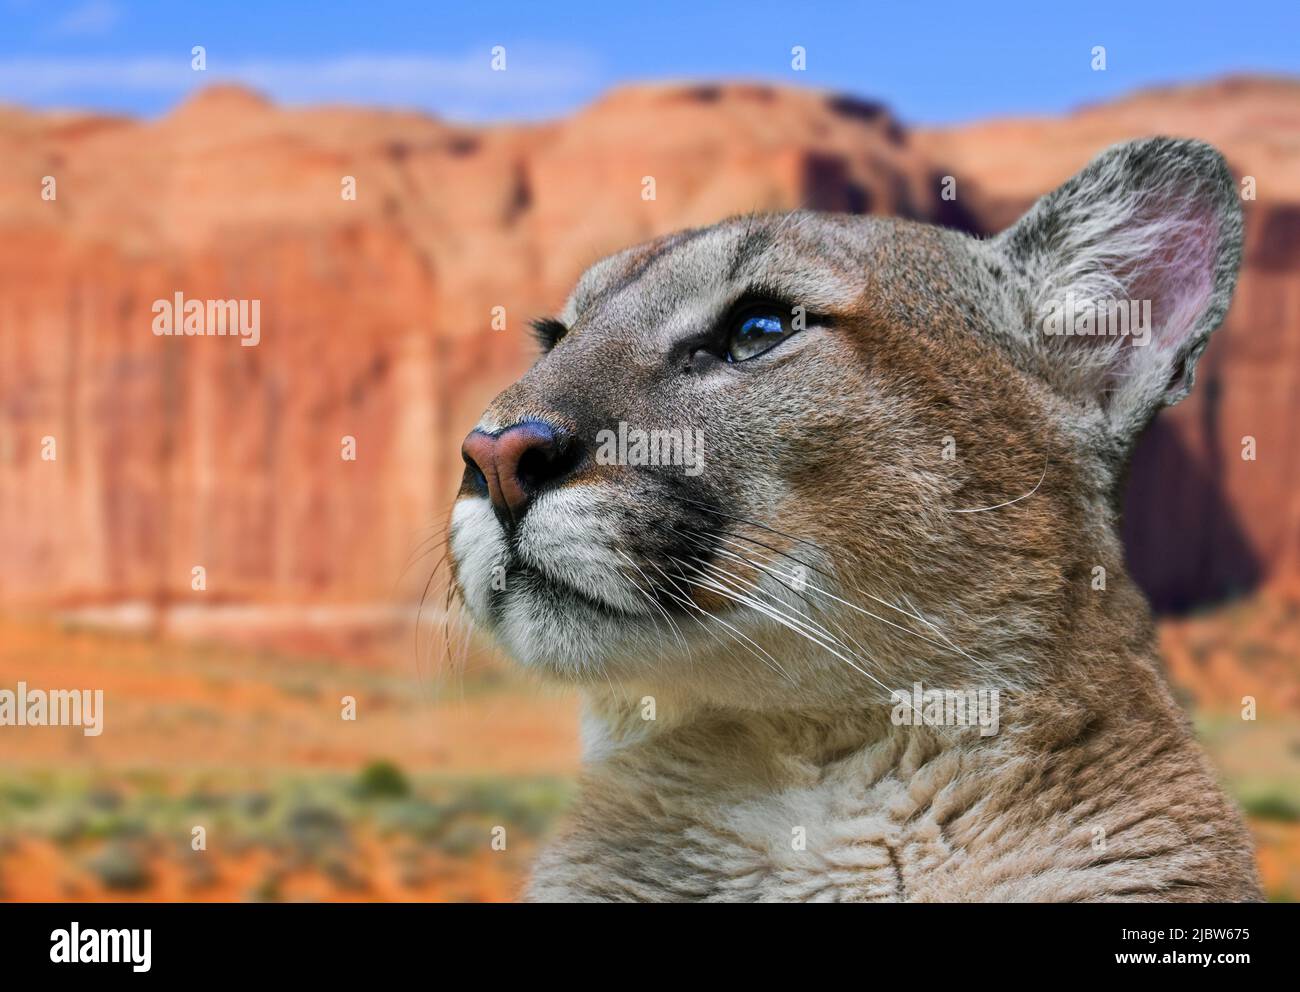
x=515, y=464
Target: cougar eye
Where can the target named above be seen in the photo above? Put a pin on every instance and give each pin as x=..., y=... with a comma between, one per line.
x=754, y=332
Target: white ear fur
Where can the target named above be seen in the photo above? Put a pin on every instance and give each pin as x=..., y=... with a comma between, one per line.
x=1149, y=227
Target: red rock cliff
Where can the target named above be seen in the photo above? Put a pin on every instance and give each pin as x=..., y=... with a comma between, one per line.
x=376, y=316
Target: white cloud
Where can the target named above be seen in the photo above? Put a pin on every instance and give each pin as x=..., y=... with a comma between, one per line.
x=536, y=80
x=90, y=19
x=42, y=78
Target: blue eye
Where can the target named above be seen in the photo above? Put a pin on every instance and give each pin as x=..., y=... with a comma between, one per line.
x=755, y=332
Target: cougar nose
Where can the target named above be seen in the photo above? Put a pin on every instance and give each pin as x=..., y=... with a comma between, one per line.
x=517, y=464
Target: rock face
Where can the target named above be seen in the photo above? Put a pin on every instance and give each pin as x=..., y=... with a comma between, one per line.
x=377, y=313
x=173, y=453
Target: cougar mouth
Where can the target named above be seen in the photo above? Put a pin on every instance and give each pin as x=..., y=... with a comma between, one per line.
x=542, y=586
x=568, y=587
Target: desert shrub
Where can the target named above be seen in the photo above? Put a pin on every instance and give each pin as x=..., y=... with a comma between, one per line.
x=1271, y=806
x=313, y=829
x=382, y=780
x=121, y=868
x=418, y=818
x=464, y=839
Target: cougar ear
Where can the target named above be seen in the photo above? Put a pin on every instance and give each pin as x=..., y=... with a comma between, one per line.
x=1130, y=266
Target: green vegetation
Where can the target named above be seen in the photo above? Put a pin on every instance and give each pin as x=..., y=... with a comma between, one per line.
x=1271, y=806
x=382, y=780
x=307, y=818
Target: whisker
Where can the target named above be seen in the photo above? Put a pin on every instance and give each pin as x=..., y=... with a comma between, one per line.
x=732, y=580
x=736, y=634
x=419, y=613
x=651, y=598
x=753, y=523
x=984, y=509
x=985, y=665
x=744, y=559
x=781, y=618
x=416, y=559
x=946, y=643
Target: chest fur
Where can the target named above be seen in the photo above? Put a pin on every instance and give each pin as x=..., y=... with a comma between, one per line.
x=856, y=832
x=910, y=818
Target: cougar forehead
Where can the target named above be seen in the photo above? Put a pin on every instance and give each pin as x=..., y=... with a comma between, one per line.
x=699, y=266
x=819, y=261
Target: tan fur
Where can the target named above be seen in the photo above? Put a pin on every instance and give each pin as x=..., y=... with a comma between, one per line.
x=773, y=768
x=1100, y=794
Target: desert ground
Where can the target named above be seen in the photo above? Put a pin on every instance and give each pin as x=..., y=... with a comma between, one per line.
x=449, y=776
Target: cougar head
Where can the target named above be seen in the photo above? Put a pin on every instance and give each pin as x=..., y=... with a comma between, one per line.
x=793, y=459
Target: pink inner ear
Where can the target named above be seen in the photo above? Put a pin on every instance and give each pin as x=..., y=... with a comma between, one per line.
x=1178, y=276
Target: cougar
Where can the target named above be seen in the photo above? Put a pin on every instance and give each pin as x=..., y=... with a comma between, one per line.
x=874, y=639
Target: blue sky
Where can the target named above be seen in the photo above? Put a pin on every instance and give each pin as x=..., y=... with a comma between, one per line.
x=931, y=61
